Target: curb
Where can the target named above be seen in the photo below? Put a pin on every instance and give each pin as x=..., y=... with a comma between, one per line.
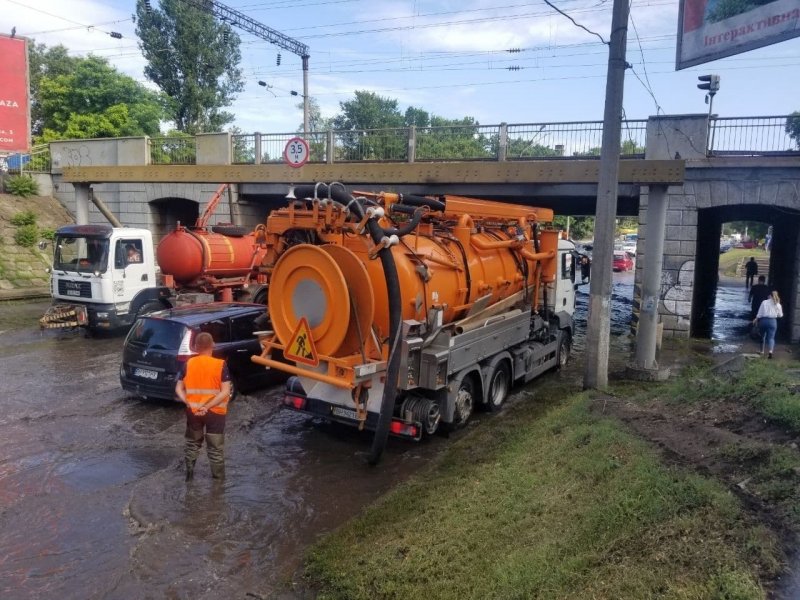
x=24, y=294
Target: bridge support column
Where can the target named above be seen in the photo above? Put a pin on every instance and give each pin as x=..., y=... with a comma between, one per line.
x=81, y=203
x=645, y=365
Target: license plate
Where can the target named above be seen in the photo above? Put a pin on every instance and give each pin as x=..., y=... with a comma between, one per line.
x=344, y=412
x=73, y=292
x=145, y=373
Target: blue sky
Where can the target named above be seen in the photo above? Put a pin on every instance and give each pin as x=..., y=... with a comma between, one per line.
x=448, y=57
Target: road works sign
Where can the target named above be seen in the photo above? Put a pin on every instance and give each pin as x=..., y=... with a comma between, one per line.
x=712, y=29
x=301, y=346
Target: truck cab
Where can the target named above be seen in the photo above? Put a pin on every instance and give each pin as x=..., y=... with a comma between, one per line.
x=101, y=276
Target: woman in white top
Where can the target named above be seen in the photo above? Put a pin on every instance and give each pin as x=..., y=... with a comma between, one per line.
x=767, y=318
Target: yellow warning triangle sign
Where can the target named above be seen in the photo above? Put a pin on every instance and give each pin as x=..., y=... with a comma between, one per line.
x=301, y=346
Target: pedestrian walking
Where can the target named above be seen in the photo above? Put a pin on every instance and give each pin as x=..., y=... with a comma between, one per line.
x=205, y=387
x=586, y=268
x=767, y=318
x=758, y=293
x=750, y=271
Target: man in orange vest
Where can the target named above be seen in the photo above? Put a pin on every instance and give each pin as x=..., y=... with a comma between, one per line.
x=205, y=387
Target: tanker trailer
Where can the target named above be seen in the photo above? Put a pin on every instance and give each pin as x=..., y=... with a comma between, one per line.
x=403, y=314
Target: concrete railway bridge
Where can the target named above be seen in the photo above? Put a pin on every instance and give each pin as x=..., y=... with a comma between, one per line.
x=705, y=171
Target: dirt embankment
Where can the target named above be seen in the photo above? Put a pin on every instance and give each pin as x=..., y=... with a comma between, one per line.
x=731, y=440
x=22, y=270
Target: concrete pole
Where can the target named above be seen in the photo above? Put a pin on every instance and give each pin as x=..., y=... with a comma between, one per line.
x=599, y=322
x=81, y=203
x=305, y=97
x=646, y=333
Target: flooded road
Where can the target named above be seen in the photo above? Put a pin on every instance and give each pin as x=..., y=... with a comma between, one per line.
x=92, y=498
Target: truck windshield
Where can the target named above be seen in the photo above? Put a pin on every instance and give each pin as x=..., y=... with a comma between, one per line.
x=80, y=253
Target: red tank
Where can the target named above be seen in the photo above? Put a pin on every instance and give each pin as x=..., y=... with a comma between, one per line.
x=189, y=255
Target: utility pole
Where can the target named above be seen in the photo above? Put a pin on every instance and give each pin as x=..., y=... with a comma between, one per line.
x=599, y=321
x=242, y=21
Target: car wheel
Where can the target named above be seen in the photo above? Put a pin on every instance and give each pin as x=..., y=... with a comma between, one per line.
x=499, y=385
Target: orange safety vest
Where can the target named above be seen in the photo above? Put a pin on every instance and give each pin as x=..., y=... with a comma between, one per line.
x=203, y=381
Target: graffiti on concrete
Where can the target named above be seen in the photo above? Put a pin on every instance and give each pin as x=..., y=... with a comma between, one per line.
x=677, y=295
x=77, y=155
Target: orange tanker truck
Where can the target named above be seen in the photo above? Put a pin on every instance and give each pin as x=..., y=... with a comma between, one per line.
x=104, y=277
x=404, y=314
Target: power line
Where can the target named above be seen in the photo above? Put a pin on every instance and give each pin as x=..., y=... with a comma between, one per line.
x=574, y=22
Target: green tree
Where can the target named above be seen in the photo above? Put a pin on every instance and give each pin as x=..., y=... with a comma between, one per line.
x=793, y=127
x=317, y=130
x=454, y=138
x=45, y=63
x=193, y=59
x=369, y=111
x=580, y=228
x=95, y=100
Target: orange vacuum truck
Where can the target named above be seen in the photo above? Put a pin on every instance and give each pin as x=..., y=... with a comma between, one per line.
x=403, y=314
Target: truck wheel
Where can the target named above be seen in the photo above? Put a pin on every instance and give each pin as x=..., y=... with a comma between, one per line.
x=465, y=402
x=499, y=384
x=564, y=349
x=149, y=307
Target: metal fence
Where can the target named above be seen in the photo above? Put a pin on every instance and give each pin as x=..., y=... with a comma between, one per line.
x=173, y=150
x=753, y=136
x=457, y=142
x=260, y=148
x=571, y=139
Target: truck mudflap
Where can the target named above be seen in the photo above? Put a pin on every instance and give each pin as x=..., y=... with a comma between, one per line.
x=62, y=316
x=298, y=401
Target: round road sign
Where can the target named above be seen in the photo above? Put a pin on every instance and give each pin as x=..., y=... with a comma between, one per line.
x=296, y=152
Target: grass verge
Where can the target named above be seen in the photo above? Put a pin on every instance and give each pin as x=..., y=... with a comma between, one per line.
x=560, y=505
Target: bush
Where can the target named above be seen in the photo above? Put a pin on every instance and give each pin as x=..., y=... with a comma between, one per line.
x=27, y=235
x=48, y=234
x=22, y=185
x=27, y=217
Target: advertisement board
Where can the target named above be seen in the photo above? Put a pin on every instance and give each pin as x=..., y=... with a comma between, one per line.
x=712, y=29
x=15, y=116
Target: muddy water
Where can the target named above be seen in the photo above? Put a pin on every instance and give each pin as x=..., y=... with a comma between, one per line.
x=92, y=498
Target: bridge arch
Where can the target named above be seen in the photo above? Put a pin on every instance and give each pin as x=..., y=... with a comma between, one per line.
x=166, y=213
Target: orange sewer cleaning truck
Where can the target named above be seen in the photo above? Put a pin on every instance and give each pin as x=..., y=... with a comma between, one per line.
x=403, y=314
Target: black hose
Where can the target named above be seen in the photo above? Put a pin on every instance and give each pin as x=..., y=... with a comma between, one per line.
x=436, y=205
x=409, y=226
x=393, y=368
x=323, y=191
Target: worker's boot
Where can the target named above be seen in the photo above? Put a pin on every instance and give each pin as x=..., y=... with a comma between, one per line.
x=216, y=454
x=191, y=449
x=189, y=469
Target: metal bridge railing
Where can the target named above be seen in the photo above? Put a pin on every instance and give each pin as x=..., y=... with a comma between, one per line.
x=571, y=139
x=260, y=148
x=173, y=150
x=752, y=136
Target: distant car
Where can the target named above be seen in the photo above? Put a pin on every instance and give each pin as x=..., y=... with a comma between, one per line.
x=725, y=247
x=159, y=344
x=749, y=244
x=622, y=261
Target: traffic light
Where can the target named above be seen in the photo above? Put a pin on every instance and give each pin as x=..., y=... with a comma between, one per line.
x=710, y=83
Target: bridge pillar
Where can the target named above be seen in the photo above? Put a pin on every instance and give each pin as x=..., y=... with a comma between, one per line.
x=81, y=203
x=646, y=333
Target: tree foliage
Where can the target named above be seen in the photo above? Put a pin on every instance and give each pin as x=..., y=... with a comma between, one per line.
x=45, y=63
x=86, y=98
x=194, y=60
x=793, y=127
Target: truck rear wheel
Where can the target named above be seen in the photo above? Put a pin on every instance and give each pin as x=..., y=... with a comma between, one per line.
x=564, y=349
x=464, y=404
x=499, y=385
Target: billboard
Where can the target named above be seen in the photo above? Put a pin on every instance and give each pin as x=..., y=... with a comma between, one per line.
x=712, y=29
x=15, y=116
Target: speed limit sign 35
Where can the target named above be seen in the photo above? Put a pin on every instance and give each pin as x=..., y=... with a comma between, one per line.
x=296, y=152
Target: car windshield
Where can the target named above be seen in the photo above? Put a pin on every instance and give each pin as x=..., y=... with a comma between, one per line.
x=157, y=334
x=80, y=253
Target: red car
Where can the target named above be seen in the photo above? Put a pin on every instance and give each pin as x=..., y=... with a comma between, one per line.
x=622, y=261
